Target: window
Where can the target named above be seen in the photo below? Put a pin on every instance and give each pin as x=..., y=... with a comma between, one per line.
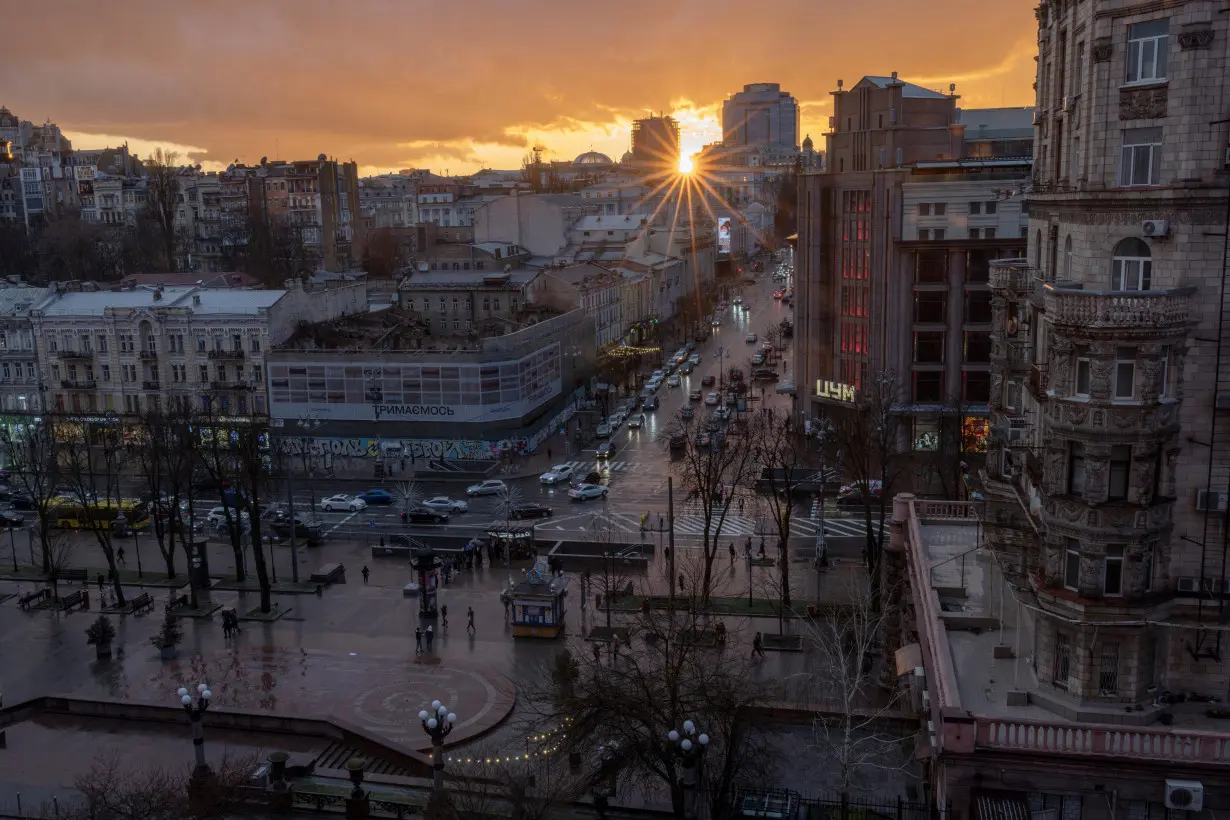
x=941, y=208
x=1063, y=660
x=1125, y=373
x=977, y=347
x=928, y=386
x=924, y=234
x=931, y=306
x=200, y=344
x=975, y=233
x=977, y=386
x=1108, y=668
x=102, y=343
x=85, y=343
x=938, y=233
x=236, y=342
x=1120, y=469
x=924, y=209
x=1084, y=372
x=1076, y=468
x=929, y=347
x=1072, y=565
x=1112, y=570
x=255, y=344
x=1141, y=160
x=1146, y=52
x=991, y=207
x=975, y=208
x=105, y=370
x=978, y=307
x=1132, y=265
x=204, y=373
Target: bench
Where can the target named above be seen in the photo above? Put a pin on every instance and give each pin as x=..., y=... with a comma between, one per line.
x=78, y=575
x=176, y=601
x=31, y=598
x=329, y=574
x=142, y=602
x=71, y=600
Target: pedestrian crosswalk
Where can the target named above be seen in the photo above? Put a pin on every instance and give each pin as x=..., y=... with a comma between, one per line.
x=582, y=468
x=688, y=525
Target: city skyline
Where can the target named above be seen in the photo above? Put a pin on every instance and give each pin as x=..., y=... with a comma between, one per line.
x=275, y=84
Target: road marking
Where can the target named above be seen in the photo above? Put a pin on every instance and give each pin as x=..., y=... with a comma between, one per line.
x=340, y=523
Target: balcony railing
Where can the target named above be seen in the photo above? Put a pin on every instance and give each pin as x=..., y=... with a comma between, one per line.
x=1061, y=738
x=12, y=352
x=229, y=385
x=148, y=354
x=151, y=385
x=1100, y=309
x=1016, y=275
x=77, y=384
x=1039, y=379
x=226, y=354
x=76, y=354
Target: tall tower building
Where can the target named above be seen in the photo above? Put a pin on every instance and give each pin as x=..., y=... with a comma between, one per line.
x=655, y=142
x=761, y=114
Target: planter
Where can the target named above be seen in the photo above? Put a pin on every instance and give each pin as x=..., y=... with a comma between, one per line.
x=168, y=653
x=102, y=651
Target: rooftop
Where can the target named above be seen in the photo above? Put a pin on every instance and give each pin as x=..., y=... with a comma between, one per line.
x=998, y=123
x=213, y=301
x=467, y=280
x=612, y=222
x=205, y=280
x=908, y=90
x=19, y=299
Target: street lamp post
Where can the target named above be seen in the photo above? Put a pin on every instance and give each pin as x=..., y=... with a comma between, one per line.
x=13, y=544
x=689, y=752
x=196, y=710
x=437, y=723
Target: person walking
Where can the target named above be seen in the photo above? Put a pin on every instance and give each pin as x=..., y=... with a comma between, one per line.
x=444, y=617
x=597, y=652
x=470, y=620
x=119, y=556
x=101, y=581
x=732, y=553
x=366, y=573
x=757, y=646
x=418, y=640
x=431, y=634
x=681, y=583
x=504, y=598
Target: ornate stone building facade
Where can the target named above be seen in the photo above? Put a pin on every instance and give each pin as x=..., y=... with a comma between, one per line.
x=1110, y=394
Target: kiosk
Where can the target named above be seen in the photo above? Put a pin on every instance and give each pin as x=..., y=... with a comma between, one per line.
x=538, y=603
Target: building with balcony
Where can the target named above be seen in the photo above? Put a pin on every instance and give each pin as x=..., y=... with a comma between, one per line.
x=588, y=287
x=20, y=396
x=468, y=304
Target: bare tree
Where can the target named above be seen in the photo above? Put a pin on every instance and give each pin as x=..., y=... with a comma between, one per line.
x=254, y=472
x=91, y=482
x=32, y=457
x=710, y=466
x=944, y=456
x=854, y=707
x=781, y=452
x=532, y=784
x=162, y=193
x=164, y=454
x=219, y=458
x=60, y=554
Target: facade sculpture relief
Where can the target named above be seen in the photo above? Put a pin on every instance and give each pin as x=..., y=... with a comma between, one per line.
x=1142, y=103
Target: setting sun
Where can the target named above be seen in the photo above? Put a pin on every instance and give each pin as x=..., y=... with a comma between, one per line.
x=685, y=164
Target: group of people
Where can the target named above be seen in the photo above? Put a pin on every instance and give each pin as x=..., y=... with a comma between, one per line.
x=424, y=638
x=230, y=623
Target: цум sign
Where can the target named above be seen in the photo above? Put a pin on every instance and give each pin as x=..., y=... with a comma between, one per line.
x=834, y=391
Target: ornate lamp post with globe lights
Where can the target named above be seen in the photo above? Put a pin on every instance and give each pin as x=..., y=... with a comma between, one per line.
x=689, y=748
x=196, y=710
x=437, y=723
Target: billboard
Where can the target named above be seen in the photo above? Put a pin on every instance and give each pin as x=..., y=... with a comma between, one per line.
x=723, y=234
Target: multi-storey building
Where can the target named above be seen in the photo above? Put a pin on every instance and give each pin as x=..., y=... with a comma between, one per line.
x=198, y=219
x=761, y=114
x=1102, y=570
x=20, y=394
x=655, y=145
x=131, y=351
x=467, y=303
x=591, y=288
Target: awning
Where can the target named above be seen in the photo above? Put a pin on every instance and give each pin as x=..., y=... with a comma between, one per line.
x=908, y=658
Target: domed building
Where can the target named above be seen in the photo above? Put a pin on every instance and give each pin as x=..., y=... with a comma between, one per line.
x=592, y=160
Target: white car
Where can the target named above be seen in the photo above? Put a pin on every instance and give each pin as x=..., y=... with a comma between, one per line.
x=694, y=359
x=603, y=431
x=217, y=516
x=442, y=503
x=492, y=486
x=341, y=501
x=674, y=381
x=558, y=473
x=584, y=492
x=750, y=338
x=712, y=399
x=637, y=421
x=738, y=300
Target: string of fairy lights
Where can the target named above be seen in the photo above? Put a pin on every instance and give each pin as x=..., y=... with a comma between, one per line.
x=554, y=737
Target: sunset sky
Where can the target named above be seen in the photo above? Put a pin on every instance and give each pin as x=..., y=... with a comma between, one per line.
x=473, y=83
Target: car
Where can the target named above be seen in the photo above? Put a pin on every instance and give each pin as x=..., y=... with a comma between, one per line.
x=738, y=300
x=767, y=347
x=652, y=386
x=716, y=322
x=8, y=519
x=657, y=375
x=422, y=514
x=376, y=496
x=750, y=338
x=22, y=501
x=558, y=473
x=732, y=399
x=708, y=381
x=674, y=381
x=604, y=430
x=617, y=418
x=694, y=359
x=584, y=492
x=492, y=486
x=687, y=412
x=636, y=422
x=852, y=494
x=443, y=502
x=341, y=501
x=712, y=399
x=722, y=414
x=678, y=441
x=694, y=395
x=777, y=294
x=652, y=403
x=687, y=368
x=758, y=358
x=218, y=516
x=785, y=388
x=5, y=475
x=311, y=531
x=529, y=510
x=690, y=346
x=703, y=439
x=764, y=374
x=606, y=450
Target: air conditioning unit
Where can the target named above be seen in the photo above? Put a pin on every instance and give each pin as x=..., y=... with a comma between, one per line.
x=1188, y=584
x=832, y=122
x=1185, y=795
x=1016, y=435
x=1155, y=227
x=1211, y=501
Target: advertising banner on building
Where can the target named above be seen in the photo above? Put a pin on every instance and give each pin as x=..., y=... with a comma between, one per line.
x=723, y=234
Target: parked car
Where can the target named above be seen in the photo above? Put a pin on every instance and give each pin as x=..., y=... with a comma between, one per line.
x=606, y=449
x=341, y=501
x=22, y=501
x=8, y=519
x=310, y=531
x=530, y=510
x=443, y=502
x=722, y=413
x=558, y=473
x=708, y=381
x=376, y=496
x=851, y=494
x=758, y=358
x=712, y=399
x=750, y=338
x=584, y=492
x=764, y=374
x=636, y=422
x=492, y=486
x=674, y=381
x=218, y=516
x=422, y=514
x=687, y=412
x=652, y=403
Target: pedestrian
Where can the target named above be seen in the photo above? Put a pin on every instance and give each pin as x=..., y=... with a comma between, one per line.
x=597, y=652
x=430, y=634
x=470, y=620
x=681, y=583
x=119, y=556
x=418, y=640
x=732, y=553
x=366, y=573
x=661, y=523
x=101, y=581
x=757, y=646
x=444, y=617
x=747, y=548
x=548, y=454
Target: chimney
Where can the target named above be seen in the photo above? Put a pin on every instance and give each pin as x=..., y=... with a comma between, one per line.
x=196, y=299
x=158, y=294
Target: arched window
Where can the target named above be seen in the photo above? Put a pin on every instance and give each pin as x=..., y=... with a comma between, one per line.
x=1132, y=266
x=1067, y=257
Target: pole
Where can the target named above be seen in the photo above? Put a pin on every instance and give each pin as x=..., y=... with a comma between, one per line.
x=294, y=545
x=437, y=764
x=136, y=547
x=13, y=543
x=198, y=741
x=670, y=514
